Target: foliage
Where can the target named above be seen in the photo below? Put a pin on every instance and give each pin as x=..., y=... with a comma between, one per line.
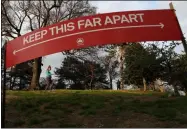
x=174, y=65
x=80, y=74
x=18, y=76
x=140, y=63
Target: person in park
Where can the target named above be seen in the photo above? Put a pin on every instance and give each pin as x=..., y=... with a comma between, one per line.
x=48, y=77
x=118, y=85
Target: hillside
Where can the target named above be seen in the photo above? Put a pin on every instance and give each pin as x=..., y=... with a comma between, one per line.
x=67, y=108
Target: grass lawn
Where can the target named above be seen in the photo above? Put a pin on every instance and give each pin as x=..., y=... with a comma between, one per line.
x=93, y=109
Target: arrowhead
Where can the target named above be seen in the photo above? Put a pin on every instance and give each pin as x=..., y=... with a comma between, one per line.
x=161, y=25
x=14, y=52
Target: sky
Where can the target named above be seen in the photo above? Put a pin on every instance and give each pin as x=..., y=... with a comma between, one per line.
x=55, y=60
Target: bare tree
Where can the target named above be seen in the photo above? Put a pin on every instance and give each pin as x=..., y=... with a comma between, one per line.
x=48, y=12
x=13, y=20
x=39, y=14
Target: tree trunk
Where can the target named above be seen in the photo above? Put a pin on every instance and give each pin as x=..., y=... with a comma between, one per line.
x=36, y=73
x=91, y=84
x=110, y=82
x=12, y=85
x=20, y=84
x=11, y=82
x=10, y=88
x=121, y=76
x=122, y=52
x=144, y=83
x=39, y=71
x=92, y=76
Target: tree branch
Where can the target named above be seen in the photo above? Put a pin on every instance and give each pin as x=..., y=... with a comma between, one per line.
x=30, y=20
x=8, y=19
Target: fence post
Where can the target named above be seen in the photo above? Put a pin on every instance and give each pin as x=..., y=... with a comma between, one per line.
x=3, y=92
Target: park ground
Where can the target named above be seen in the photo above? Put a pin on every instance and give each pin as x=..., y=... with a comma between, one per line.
x=94, y=109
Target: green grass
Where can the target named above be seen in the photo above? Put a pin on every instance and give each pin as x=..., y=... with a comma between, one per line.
x=73, y=108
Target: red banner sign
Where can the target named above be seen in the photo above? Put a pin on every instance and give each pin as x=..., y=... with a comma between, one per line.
x=101, y=29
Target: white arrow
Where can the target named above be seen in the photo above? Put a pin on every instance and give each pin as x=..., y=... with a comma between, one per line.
x=161, y=25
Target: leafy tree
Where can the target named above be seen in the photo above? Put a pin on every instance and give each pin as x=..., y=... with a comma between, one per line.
x=174, y=65
x=12, y=25
x=179, y=72
x=19, y=75
x=141, y=65
x=80, y=74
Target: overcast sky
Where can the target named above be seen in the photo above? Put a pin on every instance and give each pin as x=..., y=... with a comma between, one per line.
x=113, y=6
